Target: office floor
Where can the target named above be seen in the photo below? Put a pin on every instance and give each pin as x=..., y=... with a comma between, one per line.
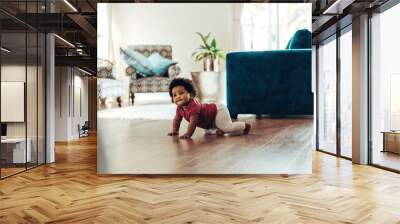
x=9, y=171
x=70, y=191
x=274, y=146
x=387, y=159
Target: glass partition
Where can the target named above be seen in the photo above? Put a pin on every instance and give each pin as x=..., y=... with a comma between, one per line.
x=385, y=89
x=22, y=107
x=327, y=96
x=346, y=93
x=13, y=92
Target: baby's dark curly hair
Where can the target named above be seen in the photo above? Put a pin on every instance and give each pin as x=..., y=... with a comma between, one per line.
x=186, y=83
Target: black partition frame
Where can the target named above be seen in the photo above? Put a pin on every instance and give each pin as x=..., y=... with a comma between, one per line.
x=29, y=29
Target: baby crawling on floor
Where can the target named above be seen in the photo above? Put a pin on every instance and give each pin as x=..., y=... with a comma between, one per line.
x=210, y=116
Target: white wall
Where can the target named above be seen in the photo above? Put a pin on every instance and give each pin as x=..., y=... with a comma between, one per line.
x=17, y=73
x=171, y=24
x=61, y=103
x=34, y=125
x=68, y=81
x=80, y=83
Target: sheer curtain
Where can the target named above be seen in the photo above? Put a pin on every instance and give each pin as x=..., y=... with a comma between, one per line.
x=238, y=43
x=105, y=47
x=269, y=26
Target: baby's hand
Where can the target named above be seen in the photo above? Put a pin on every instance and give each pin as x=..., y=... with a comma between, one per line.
x=173, y=133
x=185, y=136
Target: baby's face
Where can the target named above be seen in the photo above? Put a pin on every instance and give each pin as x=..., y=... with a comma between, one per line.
x=180, y=96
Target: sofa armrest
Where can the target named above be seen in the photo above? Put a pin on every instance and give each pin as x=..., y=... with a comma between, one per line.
x=131, y=72
x=173, y=71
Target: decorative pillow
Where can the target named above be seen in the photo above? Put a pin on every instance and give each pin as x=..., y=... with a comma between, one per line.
x=160, y=64
x=141, y=64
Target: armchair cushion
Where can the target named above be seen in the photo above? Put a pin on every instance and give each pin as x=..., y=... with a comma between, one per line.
x=138, y=61
x=141, y=84
x=160, y=64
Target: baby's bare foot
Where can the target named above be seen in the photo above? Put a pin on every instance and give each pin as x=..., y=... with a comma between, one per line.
x=246, y=129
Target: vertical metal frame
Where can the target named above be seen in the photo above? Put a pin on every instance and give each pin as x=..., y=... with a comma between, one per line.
x=317, y=96
x=369, y=77
x=37, y=91
x=338, y=82
x=26, y=87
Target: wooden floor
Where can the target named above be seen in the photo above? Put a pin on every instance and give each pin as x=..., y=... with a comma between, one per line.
x=274, y=146
x=70, y=191
x=387, y=159
x=10, y=171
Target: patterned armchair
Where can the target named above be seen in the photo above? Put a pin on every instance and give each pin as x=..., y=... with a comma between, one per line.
x=105, y=69
x=141, y=84
x=107, y=86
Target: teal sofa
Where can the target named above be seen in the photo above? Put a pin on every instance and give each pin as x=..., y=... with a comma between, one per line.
x=276, y=83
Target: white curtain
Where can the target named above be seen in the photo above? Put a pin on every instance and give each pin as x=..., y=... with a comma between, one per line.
x=238, y=43
x=111, y=56
x=102, y=30
x=105, y=49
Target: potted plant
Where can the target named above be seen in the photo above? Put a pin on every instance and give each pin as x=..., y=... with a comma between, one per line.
x=209, y=53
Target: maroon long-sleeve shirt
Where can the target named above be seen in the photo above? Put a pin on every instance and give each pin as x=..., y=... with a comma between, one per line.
x=206, y=113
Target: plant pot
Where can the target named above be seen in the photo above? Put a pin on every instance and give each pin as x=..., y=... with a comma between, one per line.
x=206, y=84
x=215, y=65
x=208, y=64
x=211, y=65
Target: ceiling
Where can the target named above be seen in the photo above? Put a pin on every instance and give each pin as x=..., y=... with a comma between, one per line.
x=74, y=24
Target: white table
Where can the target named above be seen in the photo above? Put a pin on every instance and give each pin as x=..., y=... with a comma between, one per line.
x=18, y=149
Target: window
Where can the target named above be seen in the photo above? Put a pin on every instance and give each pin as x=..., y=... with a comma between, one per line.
x=103, y=31
x=268, y=26
x=346, y=94
x=327, y=96
x=385, y=89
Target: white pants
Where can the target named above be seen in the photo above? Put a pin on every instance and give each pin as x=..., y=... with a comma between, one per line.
x=223, y=121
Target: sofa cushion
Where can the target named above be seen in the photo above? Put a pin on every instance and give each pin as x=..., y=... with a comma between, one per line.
x=300, y=40
x=138, y=61
x=160, y=64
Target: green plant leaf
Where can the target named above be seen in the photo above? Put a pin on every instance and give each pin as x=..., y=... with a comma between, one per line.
x=204, y=39
x=214, y=43
x=220, y=55
x=207, y=49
